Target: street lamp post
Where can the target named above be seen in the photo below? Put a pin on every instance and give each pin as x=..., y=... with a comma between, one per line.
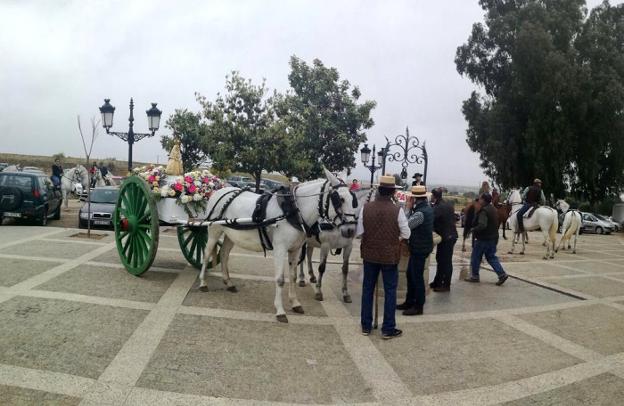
x=153, y=118
x=365, y=155
x=407, y=153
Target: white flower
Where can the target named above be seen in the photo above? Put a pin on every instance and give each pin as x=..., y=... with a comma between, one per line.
x=197, y=197
x=197, y=183
x=184, y=199
x=211, y=184
x=180, y=179
x=164, y=191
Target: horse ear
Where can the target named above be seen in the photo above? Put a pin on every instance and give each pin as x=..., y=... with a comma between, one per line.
x=331, y=178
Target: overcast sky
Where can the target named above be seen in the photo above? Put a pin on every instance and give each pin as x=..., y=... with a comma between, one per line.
x=62, y=58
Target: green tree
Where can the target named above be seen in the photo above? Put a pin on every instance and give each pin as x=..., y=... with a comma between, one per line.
x=325, y=120
x=242, y=131
x=188, y=129
x=551, y=105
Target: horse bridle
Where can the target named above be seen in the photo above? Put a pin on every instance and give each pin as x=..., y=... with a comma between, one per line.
x=336, y=201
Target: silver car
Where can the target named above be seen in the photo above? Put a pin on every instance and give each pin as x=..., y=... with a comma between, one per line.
x=592, y=224
x=608, y=220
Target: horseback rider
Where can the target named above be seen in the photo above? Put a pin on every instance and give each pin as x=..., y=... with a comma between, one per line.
x=57, y=173
x=532, y=196
x=418, y=179
x=495, y=198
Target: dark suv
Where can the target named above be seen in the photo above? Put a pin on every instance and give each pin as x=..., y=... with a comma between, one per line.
x=31, y=195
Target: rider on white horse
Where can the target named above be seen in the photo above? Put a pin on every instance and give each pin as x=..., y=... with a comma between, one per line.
x=532, y=196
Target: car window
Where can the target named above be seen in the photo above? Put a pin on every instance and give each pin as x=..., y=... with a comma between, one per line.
x=16, y=181
x=104, y=195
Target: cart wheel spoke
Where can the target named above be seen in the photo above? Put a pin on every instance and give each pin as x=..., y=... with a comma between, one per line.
x=136, y=225
x=193, y=241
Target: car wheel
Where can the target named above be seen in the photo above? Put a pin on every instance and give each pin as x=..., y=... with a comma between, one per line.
x=82, y=224
x=599, y=230
x=43, y=220
x=57, y=213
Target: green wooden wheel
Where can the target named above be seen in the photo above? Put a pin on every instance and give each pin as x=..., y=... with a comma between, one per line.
x=136, y=225
x=193, y=241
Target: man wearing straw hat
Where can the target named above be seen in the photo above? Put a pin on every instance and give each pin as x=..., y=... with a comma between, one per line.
x=421, y=245
x=382, y=225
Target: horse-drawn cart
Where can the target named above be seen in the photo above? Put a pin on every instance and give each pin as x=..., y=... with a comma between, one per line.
x=138, y=215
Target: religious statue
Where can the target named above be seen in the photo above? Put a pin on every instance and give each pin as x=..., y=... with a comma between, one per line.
x=174, y=166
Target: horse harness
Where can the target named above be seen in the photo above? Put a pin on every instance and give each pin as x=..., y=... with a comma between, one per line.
x=325, y=223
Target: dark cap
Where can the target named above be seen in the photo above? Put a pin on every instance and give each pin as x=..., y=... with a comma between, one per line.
x=487, y=197
x=417, y=174
x=437, y=193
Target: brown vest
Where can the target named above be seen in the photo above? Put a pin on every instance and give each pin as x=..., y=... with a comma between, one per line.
x=380, y=241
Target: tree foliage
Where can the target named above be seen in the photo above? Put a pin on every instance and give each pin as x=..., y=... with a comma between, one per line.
x=553, y=97
x=187, y=129
x=242, y=131
x=324, y=119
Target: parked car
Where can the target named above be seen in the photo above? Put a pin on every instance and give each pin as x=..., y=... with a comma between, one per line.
x=239, y=181
x=592, y=224
x=268, y=184
x=103, y=201
x=32, y=169
x=29, y=195
x=615, y=225
x=3, y=165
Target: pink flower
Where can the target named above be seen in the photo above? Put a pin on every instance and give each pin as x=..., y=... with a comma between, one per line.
x=192, y=188
x=178, y=187
x=188, y=179
x=206, y=179
x=151, y=179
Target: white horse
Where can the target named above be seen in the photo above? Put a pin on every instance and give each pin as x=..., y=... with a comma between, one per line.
x=544, y=218
x=285, y=237
x=571, y=225
x=102, y=180
x=71, y=178
x=328, y=240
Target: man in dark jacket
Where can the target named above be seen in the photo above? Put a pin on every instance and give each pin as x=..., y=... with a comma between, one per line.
x=418, y=179
x=532, y=196
x=444, y=225
x=382, y=225
x=420, y=245
x=485, y=232
x=57, y=173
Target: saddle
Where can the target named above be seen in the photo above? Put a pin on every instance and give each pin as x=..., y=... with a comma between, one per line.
x=531, y=211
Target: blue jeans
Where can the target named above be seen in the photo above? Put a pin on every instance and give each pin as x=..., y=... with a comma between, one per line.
x=56, y=181
x=520, y=215
x=415, y=280
x=487, y=248
x=390, y=275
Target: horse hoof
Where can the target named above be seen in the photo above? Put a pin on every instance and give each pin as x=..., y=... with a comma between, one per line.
x=319, y=297
x=282, y=318
x=510, y=252
x=203, y=288
x=312, y=279
x=232, y=289
x=301, y=284
x=347, y=298
x=463, y=249
x=522, y=253
x=297, y=309
x=574, y=252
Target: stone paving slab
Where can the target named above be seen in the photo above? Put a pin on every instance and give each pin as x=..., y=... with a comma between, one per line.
x=536, y=270
x=14, y=396
x=108, y=235
x=164, y=259
x=254, y=360
x=449, y=356
x=60, y=336
x=596, y=267
x=597, y=327
x=597, y=255
x=252, y=296
x=592, y=285
x=13, y=271
x=113, y=283
x=603, y=390
x=51, y=249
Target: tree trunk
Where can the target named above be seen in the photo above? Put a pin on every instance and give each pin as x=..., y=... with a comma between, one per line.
x=88, y=201
x=258, y=175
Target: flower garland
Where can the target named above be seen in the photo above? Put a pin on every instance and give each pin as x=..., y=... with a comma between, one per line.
x=191, y=191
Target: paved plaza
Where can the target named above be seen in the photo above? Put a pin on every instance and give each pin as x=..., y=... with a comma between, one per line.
x=77, y=329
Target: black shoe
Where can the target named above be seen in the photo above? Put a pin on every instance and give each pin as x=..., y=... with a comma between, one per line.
x=473, y=279
x=502, y=280
x=403, y=306
x=434, y=285
x=413, y=311
x=365, y=332
x=394, y=334
x=442, y=289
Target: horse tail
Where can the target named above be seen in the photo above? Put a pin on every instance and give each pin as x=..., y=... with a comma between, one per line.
x=552, y=232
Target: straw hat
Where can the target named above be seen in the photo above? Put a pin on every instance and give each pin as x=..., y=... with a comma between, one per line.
x=536, y=180
x=387, y=181
x=419, y=191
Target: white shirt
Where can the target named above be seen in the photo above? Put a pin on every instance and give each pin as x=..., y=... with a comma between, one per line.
x=403, y=226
